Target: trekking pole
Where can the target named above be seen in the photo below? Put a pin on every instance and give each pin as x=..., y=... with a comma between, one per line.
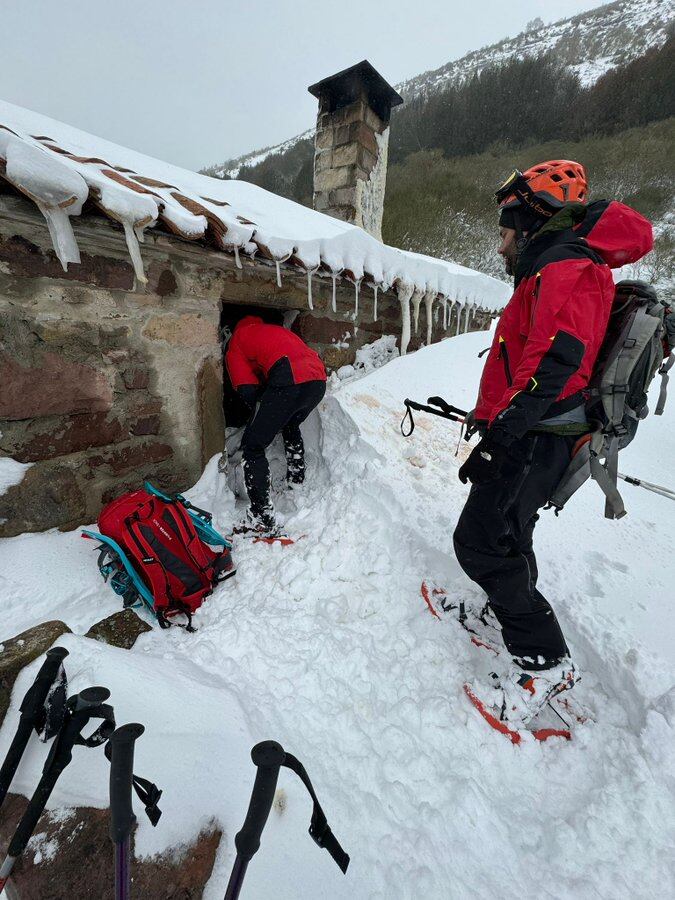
x=122, y=818
x=648, y=486
x=34, y=715
x=268, y=757
x=439, y=408
x=81, y=708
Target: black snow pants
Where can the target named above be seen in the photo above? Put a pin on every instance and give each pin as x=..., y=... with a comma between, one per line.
x=493, y=544
x=281, y=409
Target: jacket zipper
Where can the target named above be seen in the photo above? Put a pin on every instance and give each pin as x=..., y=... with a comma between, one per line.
x=504, y=355
x=535, y=296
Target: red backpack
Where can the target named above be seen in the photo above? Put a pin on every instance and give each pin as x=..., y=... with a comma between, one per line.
x=156, y=549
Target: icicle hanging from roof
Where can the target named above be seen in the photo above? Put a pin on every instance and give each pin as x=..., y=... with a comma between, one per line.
x=138, y=191
x=57, y=191
x=416, y=300
x=469, y=309
x=429, y=298
x=405, y=292
x=310, y=272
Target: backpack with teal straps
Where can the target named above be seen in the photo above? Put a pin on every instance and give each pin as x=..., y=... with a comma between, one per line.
x=631, y=354
x=161, y=551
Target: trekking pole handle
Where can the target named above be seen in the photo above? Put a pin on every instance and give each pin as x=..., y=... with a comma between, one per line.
x=38, y=692
x=34, y=700
x=122, y=742
x=268, y=757
x=85, y=705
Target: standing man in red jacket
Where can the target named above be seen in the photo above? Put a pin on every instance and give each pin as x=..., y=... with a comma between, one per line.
x=270, y=365
x=531, y=406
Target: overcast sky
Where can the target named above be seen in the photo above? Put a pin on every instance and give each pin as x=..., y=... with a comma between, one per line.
x=196, y=82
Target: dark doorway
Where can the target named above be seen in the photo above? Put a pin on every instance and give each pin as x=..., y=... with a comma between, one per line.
x=236, y=412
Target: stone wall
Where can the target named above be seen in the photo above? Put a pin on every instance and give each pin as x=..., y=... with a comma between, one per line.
x=105, y=382
x=99, y=377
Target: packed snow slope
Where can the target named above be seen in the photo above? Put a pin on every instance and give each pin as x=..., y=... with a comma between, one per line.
x=328, y=647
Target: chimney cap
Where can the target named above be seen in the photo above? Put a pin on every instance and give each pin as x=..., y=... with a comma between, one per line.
x=343, y=88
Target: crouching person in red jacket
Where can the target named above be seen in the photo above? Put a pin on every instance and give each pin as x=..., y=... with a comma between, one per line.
x=531, y=407
x=271, y=365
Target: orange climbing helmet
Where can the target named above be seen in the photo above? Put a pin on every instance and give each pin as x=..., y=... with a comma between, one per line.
x=544, y=188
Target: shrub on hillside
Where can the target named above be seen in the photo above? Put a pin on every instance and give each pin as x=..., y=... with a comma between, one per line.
x=445, y=207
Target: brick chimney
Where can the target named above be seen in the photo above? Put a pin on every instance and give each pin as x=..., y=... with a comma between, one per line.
x=351, y=145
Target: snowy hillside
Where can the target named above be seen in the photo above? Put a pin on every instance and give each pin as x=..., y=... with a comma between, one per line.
x=232, y=167
x=328, y=647
x=589, y=43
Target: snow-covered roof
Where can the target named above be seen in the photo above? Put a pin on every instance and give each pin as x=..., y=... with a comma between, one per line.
x=60, y=167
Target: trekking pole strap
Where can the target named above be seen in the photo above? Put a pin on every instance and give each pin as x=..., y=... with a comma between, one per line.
x=665, y=377
x=408, y=415
x=104, y=730
x=439, y=408
x=318, y=828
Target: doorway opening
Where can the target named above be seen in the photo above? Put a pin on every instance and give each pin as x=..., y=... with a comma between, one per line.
x=236, y=412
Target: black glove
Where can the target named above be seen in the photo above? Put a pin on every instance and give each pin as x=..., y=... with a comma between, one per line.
x=493, y=457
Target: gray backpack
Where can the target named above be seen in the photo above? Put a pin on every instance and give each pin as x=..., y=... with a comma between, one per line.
x=630, y=356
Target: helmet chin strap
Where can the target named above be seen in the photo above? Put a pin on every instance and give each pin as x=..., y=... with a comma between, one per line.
x=523, y=238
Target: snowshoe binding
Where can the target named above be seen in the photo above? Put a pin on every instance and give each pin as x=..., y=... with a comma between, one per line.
x=521, y=701
x=259, y=526
x=556, y=715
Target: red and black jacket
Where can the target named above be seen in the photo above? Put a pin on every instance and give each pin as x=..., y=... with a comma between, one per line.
x=260, y=354
x=550, y=332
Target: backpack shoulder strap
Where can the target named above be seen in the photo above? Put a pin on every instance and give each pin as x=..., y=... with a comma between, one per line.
x=577, y=473
x=606, y=476
x=665, y=377
x=640, y=328
x=586, y=463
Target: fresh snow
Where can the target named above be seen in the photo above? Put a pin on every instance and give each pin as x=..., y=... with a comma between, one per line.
x=327, y=647
x=250, y=218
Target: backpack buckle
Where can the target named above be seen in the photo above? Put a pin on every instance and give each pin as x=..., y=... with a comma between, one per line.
x=319, y=835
